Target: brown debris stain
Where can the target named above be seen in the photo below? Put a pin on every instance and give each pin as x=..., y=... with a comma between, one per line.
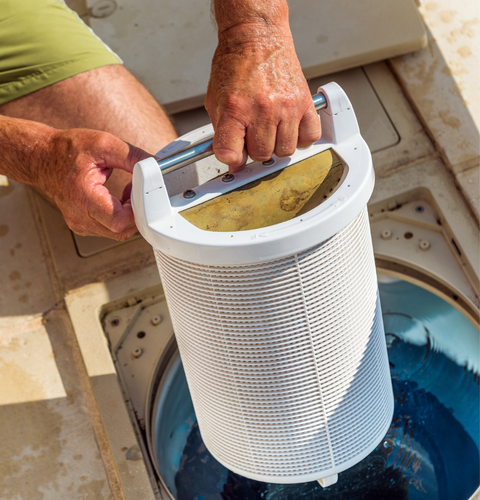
x=92, y=489
x=292, y=199
x=15, y=275
x=3, y=229
x=278, y=197
x=447, y=15
x=13, y=250
x=449, y=120
x=23, y=298
x=465, y=51
x=467, y=27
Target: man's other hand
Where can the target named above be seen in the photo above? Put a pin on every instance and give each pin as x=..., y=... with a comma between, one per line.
x=258, y=99
x=72, y=170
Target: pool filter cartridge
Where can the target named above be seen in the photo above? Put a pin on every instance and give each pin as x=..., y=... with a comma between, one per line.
x=269, y=276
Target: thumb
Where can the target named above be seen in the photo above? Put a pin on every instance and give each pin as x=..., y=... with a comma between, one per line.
x=123, y=155
x=107, y=210
x=229, y=142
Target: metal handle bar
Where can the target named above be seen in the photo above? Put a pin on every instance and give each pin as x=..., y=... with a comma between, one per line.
x=204, y=149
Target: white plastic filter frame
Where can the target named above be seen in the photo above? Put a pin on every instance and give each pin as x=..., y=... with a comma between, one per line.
x=279, y=329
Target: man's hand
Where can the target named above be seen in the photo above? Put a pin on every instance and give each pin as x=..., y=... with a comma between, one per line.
x=76, y=165
x=258, y=99
x=71, y=167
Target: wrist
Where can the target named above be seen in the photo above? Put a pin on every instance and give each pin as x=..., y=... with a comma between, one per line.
x=45, y=156
x=253, y=35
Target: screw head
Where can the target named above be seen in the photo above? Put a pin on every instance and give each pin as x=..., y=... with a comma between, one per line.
x=268, y=163
x=189, y=193
x=424, y=245
x=103, y=8
x=228, y=178
x=156, y=320
x=419, y=209
x=134, y=453
x=386, y=234
x=115, y=321
x=137, y=352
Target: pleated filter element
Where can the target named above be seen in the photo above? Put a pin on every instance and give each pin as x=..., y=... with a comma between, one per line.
x=279, y=326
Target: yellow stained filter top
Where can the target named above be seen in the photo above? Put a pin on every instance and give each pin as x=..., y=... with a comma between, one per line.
x=276, y=198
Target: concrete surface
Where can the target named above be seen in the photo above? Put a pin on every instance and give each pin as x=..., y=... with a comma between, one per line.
x=64, y=429
x=443, y=80
x=49, y=449
x=179, y=37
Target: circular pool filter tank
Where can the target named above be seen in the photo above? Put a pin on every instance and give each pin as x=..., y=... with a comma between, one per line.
x=430, y=452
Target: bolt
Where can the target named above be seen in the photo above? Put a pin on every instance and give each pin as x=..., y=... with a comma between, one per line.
x=228, y=178
x=103, y=8
x=386, y=234
x=268, y=163
x=137, y=352
x=424, y=245
x=134, y=453
x=115, y=322
x=189, y=193
x=156, y=320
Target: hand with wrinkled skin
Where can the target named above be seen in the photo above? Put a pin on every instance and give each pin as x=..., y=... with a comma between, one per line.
x=258, y=99
x=71, y=167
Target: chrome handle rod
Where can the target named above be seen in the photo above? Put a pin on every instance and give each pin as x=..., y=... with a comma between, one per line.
x=204, y=149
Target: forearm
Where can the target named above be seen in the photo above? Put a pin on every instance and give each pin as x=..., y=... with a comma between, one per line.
x=23, y=144
x=258, y=99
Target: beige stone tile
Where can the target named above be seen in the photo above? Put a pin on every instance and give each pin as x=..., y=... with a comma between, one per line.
x=74, y=271
x=48, y=446
x=26, y=289
x=469, y=182
x=443, y=80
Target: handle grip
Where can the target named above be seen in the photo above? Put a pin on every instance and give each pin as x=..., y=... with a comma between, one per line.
x=204, y=149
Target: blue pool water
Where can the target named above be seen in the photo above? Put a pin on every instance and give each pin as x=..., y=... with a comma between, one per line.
x=430, y=452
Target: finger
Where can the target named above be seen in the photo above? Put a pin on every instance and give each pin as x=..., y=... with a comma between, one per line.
x=287, y=137
x=108, y=211
x=261, y=141
x=309, y=130
x=93, y=228
x=229, y=141
x=127, y=192
x=243, y=162
x=112, y=152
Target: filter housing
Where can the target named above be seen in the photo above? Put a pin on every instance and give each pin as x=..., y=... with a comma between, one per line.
x=279, y=327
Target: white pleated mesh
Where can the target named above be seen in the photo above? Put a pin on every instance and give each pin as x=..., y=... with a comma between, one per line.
x=285, y=360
